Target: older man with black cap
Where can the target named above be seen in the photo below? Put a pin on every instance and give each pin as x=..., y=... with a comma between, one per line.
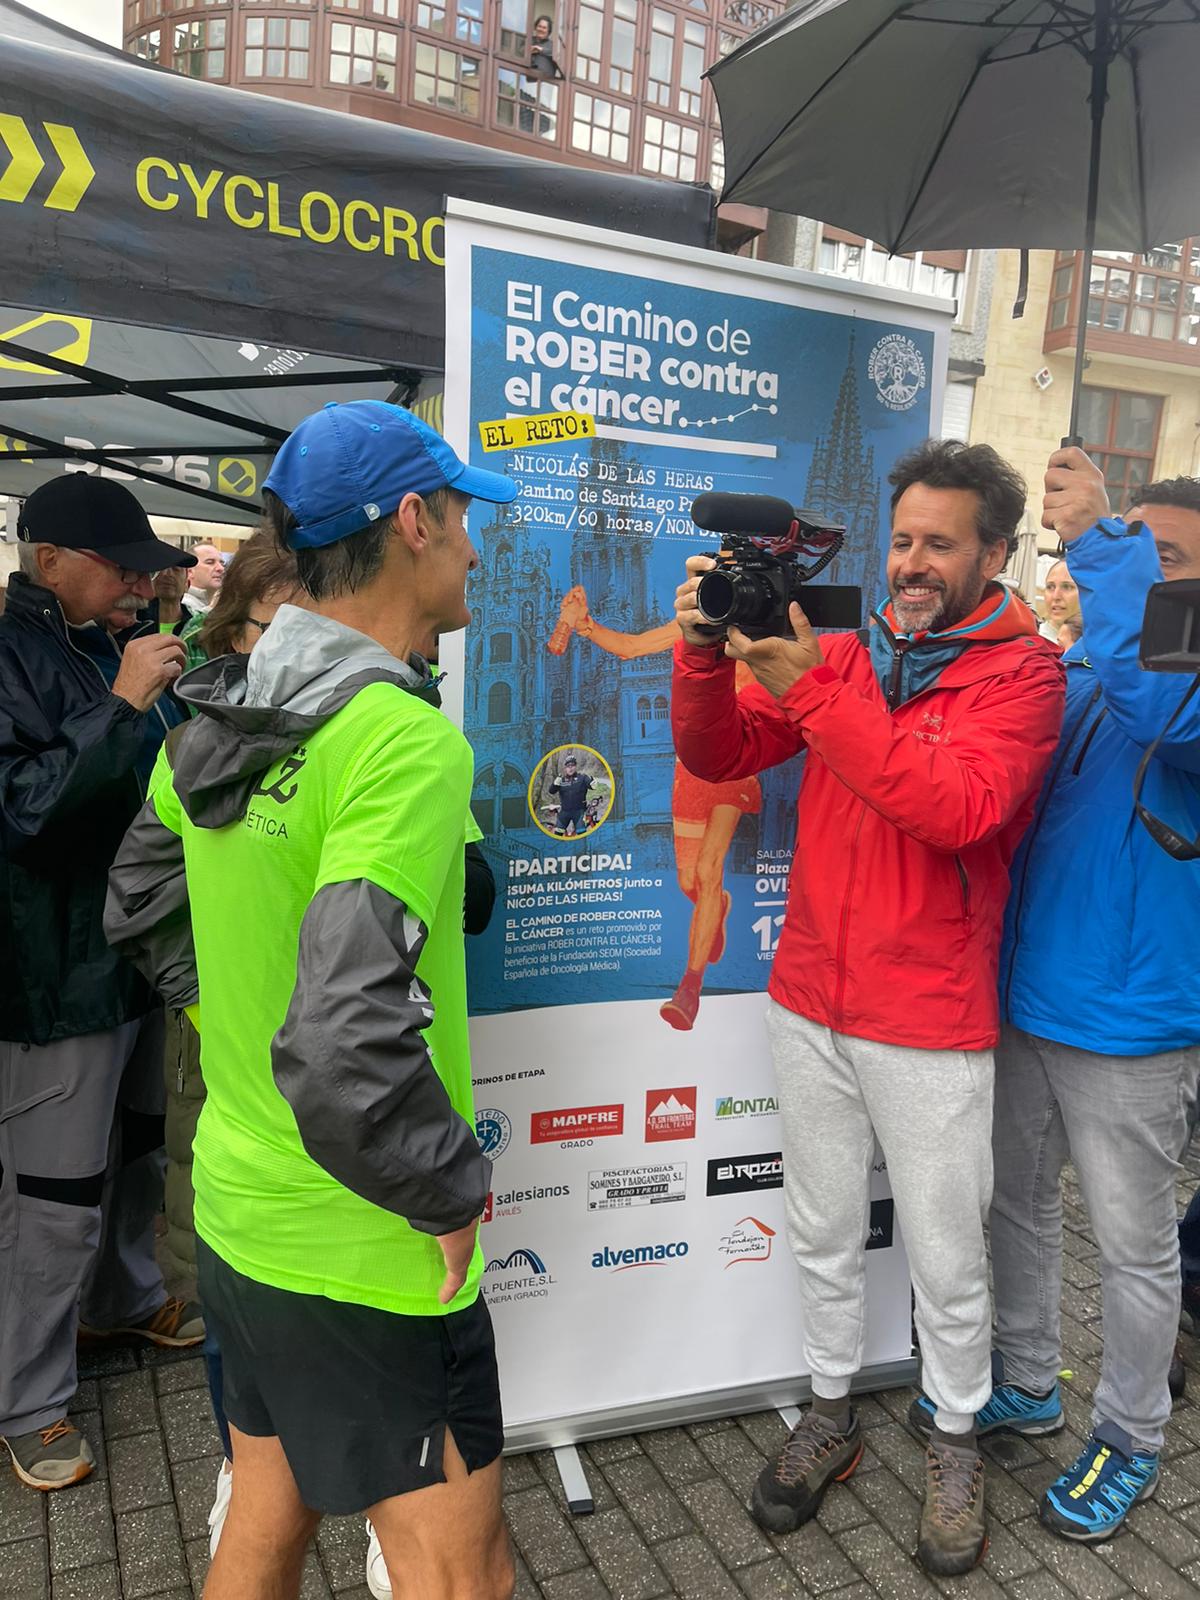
x=80, y=1031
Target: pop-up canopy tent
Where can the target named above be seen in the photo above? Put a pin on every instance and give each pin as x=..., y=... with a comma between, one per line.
x=189, y=269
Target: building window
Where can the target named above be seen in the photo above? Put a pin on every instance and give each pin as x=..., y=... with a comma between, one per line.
x=1120, y=432
x=514, y=800
x=514, y=27
x=606, y=44
x=1155, y=295
x=660, y=70
x=147, y=46
x=692, y=64
x=445, y=80
x=362, y=56
x=716, y=171
x=499, y=705
x=527, y=104
x=937, y=272
x=662, y=710
x=669, y=149
x=199, y=48
x=139, y=11
x=601, y=128
x=500, y=649
x=276, y=47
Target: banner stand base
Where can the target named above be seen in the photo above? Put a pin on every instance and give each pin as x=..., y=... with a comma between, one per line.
x=574, y=1482
x=560, y=1434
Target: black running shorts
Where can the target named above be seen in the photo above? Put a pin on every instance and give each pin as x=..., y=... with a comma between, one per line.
x=359, y=1399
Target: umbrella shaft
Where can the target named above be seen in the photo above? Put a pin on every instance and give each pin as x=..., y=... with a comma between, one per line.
x=1099, y=96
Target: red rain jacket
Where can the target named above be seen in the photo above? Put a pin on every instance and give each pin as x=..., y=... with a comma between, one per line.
x=907, y=818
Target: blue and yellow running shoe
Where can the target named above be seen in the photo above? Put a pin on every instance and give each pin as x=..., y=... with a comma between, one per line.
x=1094, y=1496
x=1010, y=1410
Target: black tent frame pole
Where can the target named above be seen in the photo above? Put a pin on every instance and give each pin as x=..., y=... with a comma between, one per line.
x=155, y=389
x=1099, y=97
x=103, y=459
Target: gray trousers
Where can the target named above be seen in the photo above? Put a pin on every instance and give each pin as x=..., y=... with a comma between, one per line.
x=932, y=1113
x=1123, y=1121
x=80, y=1186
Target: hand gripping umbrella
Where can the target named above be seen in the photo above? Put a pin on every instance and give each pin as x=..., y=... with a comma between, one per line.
x=951, y=124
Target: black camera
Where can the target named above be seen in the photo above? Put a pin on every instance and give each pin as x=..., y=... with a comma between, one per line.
x=1171, y=627
x=770, y=553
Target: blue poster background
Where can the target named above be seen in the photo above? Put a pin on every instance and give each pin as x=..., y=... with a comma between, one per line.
x=850, y=394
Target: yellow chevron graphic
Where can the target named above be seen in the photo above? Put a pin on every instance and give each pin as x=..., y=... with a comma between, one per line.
x=77, y=170
x=72, y=344
x=26, y=162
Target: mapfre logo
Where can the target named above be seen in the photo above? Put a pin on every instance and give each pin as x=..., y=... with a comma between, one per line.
x=747, y=1241
x=670, y=1114
x=575, y=1122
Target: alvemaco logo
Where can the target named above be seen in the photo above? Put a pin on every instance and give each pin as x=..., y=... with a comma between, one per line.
x=494, y=1131
x=640, y=1255
x=745, y=1174
x=670, y=1114
x=575, y=1123
x=748, y=1240
x=729, y=1107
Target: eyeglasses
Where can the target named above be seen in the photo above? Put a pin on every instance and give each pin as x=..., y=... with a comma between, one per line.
x=261, y=626
x=128, y=576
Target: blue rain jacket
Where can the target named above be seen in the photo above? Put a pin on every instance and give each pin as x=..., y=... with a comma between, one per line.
x=1102, y=932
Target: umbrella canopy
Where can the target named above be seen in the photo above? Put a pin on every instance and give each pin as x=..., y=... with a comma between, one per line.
x=947, y=124
x=944, y=124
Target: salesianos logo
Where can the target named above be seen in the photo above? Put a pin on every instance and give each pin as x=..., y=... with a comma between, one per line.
x=639, y=1255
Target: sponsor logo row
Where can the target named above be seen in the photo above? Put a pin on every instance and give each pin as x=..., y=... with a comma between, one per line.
x=670, y=1114
x=652, y=1184
x=525, y=1274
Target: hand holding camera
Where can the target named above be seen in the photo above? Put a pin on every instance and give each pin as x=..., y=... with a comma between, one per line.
x=687, y=607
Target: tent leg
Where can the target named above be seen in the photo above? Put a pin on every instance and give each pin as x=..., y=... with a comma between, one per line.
x=1098, y=98
x=575, y=1485
x=791, y=1416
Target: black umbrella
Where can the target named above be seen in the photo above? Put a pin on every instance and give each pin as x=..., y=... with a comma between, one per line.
x=949, y=124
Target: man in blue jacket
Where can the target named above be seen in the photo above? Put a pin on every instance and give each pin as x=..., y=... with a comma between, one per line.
x=1100, y=1055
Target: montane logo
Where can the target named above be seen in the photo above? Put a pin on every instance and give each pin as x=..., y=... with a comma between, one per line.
x=729, y=1106
x=640, y=1255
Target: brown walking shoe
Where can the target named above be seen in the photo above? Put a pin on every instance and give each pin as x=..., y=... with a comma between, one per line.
x=790, y=1490
x=953, y=1535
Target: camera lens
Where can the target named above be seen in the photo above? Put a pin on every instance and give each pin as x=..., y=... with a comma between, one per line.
x=734, y=599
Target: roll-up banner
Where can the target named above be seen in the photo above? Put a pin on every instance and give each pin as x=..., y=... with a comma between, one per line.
x=637, y=1261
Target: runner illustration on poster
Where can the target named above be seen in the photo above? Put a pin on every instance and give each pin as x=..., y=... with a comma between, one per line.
x=680, y=890
x=704, y=816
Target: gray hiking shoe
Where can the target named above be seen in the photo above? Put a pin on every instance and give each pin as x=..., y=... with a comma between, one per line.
x=953, y=1536
x=176, y=1325
x=51, y=1458
x=789, y=1491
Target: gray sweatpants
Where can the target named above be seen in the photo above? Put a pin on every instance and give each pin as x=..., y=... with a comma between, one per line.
x=931, y=1111
x=1123, y=1120
x=80, y=1185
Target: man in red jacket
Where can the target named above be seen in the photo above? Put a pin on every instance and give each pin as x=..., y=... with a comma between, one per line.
x=925, y=752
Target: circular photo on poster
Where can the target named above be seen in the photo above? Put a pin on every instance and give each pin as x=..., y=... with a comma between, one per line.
x=571, y=792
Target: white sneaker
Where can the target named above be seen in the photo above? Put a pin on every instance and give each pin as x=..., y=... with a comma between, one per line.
x=220, y=1507
x=378, y=1581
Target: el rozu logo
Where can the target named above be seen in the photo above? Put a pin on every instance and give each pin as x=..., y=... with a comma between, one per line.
x=745, y=1174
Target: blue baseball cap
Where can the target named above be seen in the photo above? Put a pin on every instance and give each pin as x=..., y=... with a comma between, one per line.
x=348, y=465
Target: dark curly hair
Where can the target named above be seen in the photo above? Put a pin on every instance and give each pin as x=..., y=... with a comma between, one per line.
x=950, y=464
x=1181, y=492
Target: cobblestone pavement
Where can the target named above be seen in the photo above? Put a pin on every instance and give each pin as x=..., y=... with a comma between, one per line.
x=670, y=1513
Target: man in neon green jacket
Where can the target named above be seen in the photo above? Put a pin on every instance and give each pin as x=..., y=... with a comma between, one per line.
x=302, y=868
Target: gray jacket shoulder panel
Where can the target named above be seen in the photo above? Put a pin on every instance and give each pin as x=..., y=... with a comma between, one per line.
x=351, y=1061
